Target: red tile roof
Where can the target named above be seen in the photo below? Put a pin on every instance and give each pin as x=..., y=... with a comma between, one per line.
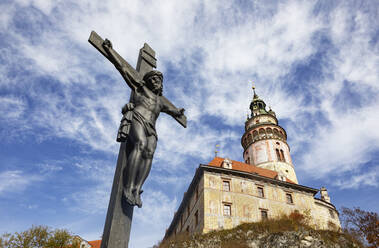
x=95, y=243
x=239, y=166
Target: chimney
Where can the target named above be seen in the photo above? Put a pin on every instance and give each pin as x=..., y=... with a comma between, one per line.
x=324, y=194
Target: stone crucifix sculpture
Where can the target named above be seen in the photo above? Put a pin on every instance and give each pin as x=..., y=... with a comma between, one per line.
x=137, y=136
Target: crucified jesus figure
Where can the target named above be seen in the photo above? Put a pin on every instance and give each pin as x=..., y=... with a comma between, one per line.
x=137, y=126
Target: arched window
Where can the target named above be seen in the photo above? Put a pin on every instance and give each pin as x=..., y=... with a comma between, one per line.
x=276, y=133
x=282, y=155
x=255, y=134
x=269, y=132
x=262, y=133
x=278, y=154
x=281, y=136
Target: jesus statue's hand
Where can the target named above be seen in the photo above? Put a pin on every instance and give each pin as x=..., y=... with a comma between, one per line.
x=180, y=111
x=107, y=44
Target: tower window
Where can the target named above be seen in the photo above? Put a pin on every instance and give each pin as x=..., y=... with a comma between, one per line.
x=261, y=192
x=282, y=155
x=289, y=198
x=226, y=185
x=255, y=134
x=276, y=133
x=269, y=132
x=278, y=155
x=262, y=133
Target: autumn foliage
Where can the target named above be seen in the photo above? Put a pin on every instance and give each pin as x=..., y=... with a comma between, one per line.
x=360, y=223
x=39, y=237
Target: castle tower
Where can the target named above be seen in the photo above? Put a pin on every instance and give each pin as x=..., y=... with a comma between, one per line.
x=265, y=142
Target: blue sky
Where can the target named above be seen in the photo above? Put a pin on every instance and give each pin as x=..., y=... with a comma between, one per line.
x=314, y=62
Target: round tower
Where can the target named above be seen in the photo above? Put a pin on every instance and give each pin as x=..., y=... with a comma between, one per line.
x=265, y=142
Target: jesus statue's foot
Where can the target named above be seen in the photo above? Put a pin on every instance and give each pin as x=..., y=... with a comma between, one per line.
x=129, y=197
x=137, y=196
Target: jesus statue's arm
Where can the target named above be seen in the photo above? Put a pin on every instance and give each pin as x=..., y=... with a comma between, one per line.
x=170, y=109
x=133, y=84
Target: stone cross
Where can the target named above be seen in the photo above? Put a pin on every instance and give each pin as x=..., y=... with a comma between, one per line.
x=119, y=215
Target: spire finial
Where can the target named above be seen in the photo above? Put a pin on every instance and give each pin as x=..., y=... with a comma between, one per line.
x=253, y=87
x=217, y=146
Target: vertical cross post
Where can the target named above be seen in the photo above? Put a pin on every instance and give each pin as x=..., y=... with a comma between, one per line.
x=118, y=221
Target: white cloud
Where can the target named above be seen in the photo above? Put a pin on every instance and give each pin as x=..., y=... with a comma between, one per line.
x=11, y=108
x=16, y=181
x=158, y=210
x=351, y=137
x=366, y=178
x=50, y=168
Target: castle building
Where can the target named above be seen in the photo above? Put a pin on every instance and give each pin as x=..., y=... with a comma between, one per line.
x=225, y=193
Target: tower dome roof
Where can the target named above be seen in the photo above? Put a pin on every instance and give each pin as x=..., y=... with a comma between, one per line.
x=258, y=106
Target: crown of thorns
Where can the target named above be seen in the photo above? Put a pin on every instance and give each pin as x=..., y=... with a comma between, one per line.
x=152, y=73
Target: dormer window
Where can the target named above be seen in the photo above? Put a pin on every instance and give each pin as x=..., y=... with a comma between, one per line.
x=227, y=164
x=282, y=178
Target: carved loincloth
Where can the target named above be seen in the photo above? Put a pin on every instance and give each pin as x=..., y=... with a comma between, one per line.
x=126, y=123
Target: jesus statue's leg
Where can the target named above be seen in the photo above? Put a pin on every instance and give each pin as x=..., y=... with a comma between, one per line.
x=138, y=141
x=144, y=169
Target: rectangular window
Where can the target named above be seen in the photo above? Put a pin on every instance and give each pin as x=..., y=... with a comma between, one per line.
x=289, y=198
x=261, y=192
x=197, y=218
x=264, y=214
x=227, y=210
x=226, y=185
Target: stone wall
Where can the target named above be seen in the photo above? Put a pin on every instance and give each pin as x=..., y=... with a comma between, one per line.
x=247, y=203
x=187, y=220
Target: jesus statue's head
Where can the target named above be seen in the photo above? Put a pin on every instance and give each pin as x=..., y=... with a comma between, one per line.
x=154, y=81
